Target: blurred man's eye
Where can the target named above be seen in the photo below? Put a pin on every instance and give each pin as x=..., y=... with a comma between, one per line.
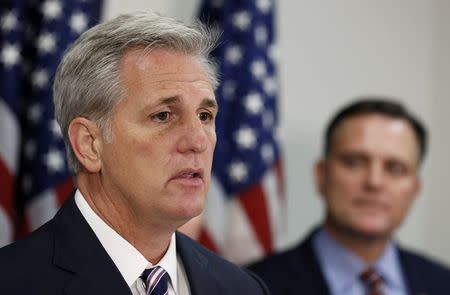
x=353, y=161
x=396, y=168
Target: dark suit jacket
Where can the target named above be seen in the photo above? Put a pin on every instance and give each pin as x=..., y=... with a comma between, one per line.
x=65, y=257
x=297, y=271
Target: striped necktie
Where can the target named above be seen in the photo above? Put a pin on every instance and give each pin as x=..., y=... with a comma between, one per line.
x=373, y=281
x=156, y=281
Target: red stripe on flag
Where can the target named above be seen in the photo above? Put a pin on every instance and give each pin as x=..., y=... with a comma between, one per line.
x=63, y=190
x=280, y=178
x=205, y=239
x=6, y=189
x=254, y=203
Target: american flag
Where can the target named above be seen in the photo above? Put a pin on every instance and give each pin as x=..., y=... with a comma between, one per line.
x=34, y=176
x=244, y=213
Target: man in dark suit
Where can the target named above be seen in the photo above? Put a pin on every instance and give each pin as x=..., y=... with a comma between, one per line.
x=135, y=100
x=368, y=178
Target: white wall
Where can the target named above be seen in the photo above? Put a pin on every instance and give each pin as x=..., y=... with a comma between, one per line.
x=332, y=51
x=437, y=238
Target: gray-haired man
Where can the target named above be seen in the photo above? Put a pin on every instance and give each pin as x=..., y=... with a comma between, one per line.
x=135, y=100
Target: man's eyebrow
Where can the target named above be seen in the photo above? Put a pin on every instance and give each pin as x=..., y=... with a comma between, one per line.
x=170, y=100
x=206, y=102
x=211, y=103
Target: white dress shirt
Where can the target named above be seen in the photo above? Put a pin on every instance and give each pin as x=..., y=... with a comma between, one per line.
x=130, y=262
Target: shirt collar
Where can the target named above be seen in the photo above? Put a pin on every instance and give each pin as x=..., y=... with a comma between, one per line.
x=130, y=262
x=342, y=267
x=169, y=263
x=388, y=266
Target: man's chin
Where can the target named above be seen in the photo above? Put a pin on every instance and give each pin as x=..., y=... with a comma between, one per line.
x=363, y=229
x=187, y=213
x=370, y=231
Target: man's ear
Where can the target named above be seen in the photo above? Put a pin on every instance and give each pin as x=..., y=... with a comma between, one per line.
x=417, y=187
x=85, y=139
x=319, y=175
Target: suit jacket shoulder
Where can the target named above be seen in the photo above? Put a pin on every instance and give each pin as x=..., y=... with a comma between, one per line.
x=423, y=275
x=62, y=257
x=210, y=274
x=23, y=260
x=297, y=271
x=294, y=271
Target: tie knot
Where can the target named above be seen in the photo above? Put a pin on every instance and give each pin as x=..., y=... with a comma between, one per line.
x=372, y=280
x=156, y=280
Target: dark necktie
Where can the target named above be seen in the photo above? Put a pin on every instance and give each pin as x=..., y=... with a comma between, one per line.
x=156, y=281
x=373, y=281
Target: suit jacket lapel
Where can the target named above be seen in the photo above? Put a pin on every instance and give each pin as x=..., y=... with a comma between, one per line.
x=305, y=270
x=414, y=280
x=202, y=279
x=78, y=250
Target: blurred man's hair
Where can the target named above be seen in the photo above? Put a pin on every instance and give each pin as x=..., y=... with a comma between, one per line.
x=376, y=105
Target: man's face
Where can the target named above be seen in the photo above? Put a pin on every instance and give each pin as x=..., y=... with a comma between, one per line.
x=368, y=181
x=157, y=166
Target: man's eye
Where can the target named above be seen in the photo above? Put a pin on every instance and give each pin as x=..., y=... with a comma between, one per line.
x=161, y=117
x=353, y=161
x=395, y=168
x=205, y=116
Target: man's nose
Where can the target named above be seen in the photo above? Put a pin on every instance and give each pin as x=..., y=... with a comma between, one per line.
x=193, y=136
x=375, y=176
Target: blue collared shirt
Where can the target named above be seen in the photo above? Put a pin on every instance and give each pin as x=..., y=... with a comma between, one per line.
x=342, y=268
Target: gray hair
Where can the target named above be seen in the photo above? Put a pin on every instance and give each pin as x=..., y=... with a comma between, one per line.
x=87, y=82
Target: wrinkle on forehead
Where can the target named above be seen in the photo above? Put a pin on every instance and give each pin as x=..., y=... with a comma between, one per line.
x=150, y=63
x=150, y=59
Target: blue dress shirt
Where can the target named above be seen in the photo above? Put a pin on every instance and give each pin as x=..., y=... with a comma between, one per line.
x=342, y=268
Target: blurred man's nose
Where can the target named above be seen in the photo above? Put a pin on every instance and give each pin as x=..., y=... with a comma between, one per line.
x=374, y=176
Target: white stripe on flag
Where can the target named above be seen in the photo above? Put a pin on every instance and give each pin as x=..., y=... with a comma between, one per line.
x=6, y=235
x=42, y=208
x=9, y=142
x=241, y=244
x=215, y=213
x=276, y=212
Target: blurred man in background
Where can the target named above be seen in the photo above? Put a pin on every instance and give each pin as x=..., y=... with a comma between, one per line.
x=368, y=178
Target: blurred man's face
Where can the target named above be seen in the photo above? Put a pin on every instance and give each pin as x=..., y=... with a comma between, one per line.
x=368, y=181
x=158, y=164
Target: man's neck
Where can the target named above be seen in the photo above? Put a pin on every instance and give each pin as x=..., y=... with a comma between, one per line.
x=369, y=249
x=151, y=239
